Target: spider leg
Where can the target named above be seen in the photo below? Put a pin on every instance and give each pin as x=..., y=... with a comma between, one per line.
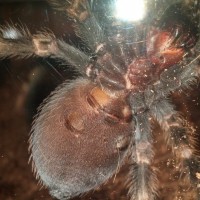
x=153, y=102
x=106, y=68
x=86, y=26
x=179, y=137
x=142, y=178
x=22, y=44
x=176, y=78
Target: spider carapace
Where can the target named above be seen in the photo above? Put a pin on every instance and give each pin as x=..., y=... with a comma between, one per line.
x=87, y=127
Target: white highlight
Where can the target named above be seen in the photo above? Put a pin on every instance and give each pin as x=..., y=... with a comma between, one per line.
x=186, y=153
x=130, y=10
x=11, y=33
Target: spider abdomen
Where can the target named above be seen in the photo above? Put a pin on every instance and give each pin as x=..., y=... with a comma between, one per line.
x=80, y=138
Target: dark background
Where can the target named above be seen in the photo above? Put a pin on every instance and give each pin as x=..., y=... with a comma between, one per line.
x=23, y=85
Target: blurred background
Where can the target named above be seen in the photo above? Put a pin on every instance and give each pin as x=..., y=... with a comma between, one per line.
x=23, y=86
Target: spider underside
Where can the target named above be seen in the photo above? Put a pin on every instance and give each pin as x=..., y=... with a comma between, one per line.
x=85, y=129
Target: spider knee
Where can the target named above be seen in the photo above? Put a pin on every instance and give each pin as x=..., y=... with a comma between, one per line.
x=186, y=153
x=144, y=153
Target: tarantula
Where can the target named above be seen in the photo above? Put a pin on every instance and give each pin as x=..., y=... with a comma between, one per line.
x=87, y=127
